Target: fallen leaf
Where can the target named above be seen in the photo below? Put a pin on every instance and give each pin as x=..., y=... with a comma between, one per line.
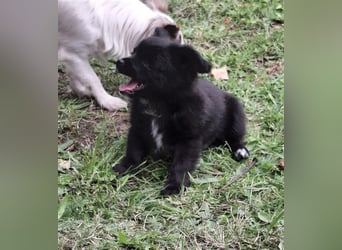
x=281, y=165
x=220, y=73
x=227, y=20
x=63, y=164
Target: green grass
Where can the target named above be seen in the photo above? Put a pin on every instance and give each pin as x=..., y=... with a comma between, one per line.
x=98, y=210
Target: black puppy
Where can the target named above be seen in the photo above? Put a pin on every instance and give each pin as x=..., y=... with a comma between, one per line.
x=175, y=111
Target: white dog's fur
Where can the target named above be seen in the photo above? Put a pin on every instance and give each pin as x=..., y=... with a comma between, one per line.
x=101, y=28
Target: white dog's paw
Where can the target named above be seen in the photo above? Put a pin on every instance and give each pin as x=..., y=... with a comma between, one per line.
x=69, y=90
x=111, y=103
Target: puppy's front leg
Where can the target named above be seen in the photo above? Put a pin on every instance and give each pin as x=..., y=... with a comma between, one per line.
x=184, y=161
x=135, y=153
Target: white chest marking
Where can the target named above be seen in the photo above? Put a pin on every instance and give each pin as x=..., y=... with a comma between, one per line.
x=158, y=137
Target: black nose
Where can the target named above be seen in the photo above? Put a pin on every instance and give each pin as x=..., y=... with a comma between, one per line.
x=119, y=62
x=124, y=66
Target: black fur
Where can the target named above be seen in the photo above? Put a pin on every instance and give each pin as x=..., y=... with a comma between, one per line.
x=190, y=113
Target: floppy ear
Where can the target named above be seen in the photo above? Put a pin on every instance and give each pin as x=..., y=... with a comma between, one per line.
x=189, y=58
x=169, y=30
x=172, y=30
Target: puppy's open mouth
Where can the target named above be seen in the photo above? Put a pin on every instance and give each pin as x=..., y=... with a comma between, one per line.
x=130, y=87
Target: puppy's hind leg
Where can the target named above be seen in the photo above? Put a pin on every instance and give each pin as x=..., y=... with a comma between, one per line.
x=84, y=82
x=236, y=129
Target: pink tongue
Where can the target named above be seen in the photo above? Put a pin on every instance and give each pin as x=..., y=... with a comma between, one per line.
x=129, y=86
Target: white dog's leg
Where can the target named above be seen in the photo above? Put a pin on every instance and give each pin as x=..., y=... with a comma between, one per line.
x=84, y=82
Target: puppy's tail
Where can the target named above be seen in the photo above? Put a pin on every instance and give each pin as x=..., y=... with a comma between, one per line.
x=159, y=5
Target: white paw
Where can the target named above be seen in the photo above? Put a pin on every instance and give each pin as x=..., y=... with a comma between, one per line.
x=241, y=153
x=111, y=103
x=69, y=90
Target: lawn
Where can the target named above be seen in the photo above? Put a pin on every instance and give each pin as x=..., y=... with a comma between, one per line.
x=99, y=210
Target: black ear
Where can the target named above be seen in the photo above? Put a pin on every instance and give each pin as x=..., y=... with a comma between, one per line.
x=188, y=58
x=172, y=30
x=168, y=31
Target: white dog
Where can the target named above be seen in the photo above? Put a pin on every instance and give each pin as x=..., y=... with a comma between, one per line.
x=102, y=29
